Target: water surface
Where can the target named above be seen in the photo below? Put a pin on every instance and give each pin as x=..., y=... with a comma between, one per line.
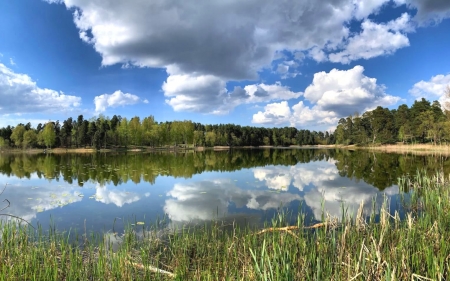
x=102, y=191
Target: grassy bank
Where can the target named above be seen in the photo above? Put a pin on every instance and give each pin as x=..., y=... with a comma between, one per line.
x=379, y=247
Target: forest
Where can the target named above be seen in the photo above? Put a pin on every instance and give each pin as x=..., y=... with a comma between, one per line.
x=423, y=122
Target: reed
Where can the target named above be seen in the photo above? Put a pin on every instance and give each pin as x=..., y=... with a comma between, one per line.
x=414, y=245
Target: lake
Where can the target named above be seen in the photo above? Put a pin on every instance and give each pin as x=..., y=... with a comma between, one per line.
x=104, y=192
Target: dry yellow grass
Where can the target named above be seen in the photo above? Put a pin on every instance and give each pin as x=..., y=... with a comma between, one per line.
x=412, y=148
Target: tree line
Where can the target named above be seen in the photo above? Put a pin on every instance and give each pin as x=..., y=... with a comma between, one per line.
x=103, y=132
x=423, y=122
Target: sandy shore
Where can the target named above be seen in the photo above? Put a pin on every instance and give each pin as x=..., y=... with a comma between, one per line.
x=411, y=148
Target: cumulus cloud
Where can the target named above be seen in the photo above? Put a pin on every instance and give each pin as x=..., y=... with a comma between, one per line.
x=203, y=93
x=432, y=89
x=206, y=200
x=336, y=94
x=299, y=176
x=274, y=113
x=317, y=54
x=230, y=40
x=116, y=197
x=375, y=40
x=329, y=198
x=19, y=94
x=118, y=98
x=345, y=91
x=208, y=94
x=273, y=178
x=324, y=189
x=303, y=115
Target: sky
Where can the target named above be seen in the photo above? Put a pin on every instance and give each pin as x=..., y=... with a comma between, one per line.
x=271, y=63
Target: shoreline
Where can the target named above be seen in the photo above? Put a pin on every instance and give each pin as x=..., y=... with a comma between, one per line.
x=388, y=148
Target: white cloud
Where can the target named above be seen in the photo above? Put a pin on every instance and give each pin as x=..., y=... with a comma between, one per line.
x=346, y=91
x=317, y=54
x=19, y=94
x=325, y=190
x=203, y=93
x=116, y=197
x=375, y=40
x=363, y=8
x=273, y=177
x=432, y=89
x=304, y=115
x=230, y=40
x=300, y=175
x=118, y=98
x=11, y=62
x=274, y=113
x=329, y=198
x=208, y=94
x=210, y=199
x=336, y=94
x=263, y=92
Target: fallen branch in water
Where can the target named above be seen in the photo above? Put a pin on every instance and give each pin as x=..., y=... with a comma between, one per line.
x=293, y=227
x=9, y=215
x=151, y=268
x=288, y=229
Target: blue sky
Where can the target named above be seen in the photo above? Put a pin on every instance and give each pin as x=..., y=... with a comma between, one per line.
x=257, y=62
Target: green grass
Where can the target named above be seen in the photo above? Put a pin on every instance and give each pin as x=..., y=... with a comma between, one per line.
x=379, y=247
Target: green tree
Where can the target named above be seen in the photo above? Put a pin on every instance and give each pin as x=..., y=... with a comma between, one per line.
x=187, y=132
x=383, y=125
x=340, y=134
x=49, y=135
x=210, y=138
x=2, y=143
x=417, y=108
x=91, y=130
x=124, y=132
x=17, y=135
x=199, y=138
x=135, y=130
x=403, y=123
x=66, y=133
x=29, y=139
x=176, y=132
x=148, y=135
x=425, y=122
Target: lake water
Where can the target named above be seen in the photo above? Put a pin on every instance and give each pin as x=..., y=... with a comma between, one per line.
x=102, y=191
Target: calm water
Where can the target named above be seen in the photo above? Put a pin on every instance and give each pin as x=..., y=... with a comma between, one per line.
x=92, y=191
